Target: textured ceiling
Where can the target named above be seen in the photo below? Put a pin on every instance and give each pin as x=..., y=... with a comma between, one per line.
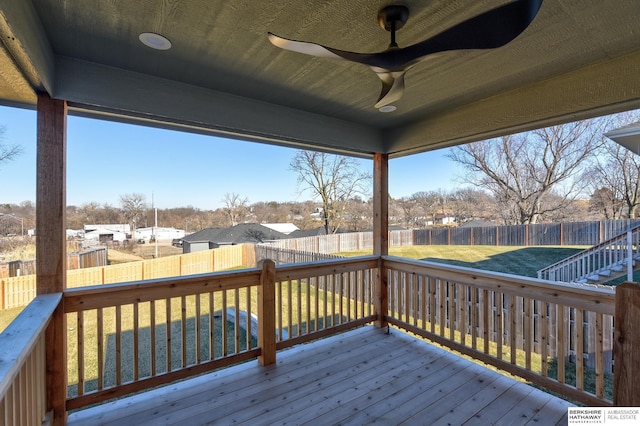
x=578, y=58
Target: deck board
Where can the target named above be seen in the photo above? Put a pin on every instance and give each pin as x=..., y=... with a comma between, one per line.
x=338, y=381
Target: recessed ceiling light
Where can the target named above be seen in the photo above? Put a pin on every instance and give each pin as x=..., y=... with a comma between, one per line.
x=155, y=41
x=387, y=108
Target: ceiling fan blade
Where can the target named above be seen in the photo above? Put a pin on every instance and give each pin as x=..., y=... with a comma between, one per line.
x=315, y=49
x=488, y=30
x=305, y=47
x=392, y=88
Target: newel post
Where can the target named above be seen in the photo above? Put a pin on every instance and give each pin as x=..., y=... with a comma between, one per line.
x=267, y=313
x=626, y=386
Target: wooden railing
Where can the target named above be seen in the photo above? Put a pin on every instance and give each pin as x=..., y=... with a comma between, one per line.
x=124, y=338
x=23, y=390
x=597, y=262
x=540, y=331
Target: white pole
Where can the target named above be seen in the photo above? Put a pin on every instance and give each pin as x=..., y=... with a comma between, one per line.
x=155, y=230
x=629, y=257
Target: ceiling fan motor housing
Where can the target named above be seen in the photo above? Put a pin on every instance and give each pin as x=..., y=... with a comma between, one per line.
x=393, y=17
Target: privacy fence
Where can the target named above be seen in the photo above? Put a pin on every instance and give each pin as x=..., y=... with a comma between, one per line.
x=85, y=259
x=552, y=234
x=19, y=291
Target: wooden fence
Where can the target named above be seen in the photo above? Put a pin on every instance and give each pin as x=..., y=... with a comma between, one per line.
x=556, y=234
x=90, y=258
x=19, y=291
x=287, y=256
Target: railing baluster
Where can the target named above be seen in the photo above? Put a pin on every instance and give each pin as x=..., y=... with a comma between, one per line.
x=80, y=342
x=443, y=306
x=579, y=348
x=118, y=338
x=236, y=323
x=299, y=307
x=432, y=304
x=544, y=339
x=152, y=335
x=136, y=354
x=599, y=356
x=561, y=324
x=223, y=325
x=528, y=332
x=100, y=327
x=308, y=304
x=462, y=308
x=197, y=330
x=279, y=309
x=499, y=321
x=474, y=317
x=212, y=326
x=341, y=297
x=183, y=330
x=167, y=323
x=249, y=327
x=514, y=333
x=290, y=308
x=316, y=301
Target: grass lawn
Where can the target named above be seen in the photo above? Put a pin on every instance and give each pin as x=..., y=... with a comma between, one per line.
x=524, y=261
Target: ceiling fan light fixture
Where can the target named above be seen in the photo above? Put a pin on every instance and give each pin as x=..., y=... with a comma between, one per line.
x=387, y=108
x=155, y=41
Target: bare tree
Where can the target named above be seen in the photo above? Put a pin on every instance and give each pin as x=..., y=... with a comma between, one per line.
x=618, y=169
x=235, y=207
x=410, y=211
x=429, y=204
x=334, y=179
x=605, y=203
x=133, y=206
x=467, y=204
x=8, y=152
x=522, y=171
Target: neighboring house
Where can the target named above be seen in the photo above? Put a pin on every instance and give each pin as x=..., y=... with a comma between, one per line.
x=239, y=234
x=478, y=223
x=116, y=227
x=285, y=228
x=300, y=233
x=104, y=235
x=159, y=233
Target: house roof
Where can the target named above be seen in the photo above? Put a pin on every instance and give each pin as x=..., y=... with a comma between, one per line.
x=222, y=76
x=627, y=136
x=242, y=233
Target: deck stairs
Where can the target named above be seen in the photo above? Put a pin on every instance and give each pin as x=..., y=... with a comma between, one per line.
x=601, y=263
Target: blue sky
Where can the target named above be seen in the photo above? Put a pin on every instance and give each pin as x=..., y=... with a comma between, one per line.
x=107, y=159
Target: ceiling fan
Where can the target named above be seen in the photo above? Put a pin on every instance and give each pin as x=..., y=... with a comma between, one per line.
x=488, y=30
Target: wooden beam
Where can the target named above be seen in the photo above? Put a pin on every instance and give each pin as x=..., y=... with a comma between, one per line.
x=267, y=313
x=626, y=388
x=380, y=204
x=602, y=88
x=51, y=244
x=381, y=231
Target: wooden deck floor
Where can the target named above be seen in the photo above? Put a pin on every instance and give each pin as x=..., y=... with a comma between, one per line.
x=361, y=377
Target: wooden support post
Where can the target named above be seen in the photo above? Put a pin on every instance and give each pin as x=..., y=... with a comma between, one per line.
x=381, y=232
x=626, y=387
x=51, y=241
x=267, y=313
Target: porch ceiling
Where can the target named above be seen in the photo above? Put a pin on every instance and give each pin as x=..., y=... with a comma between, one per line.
x=579, y=58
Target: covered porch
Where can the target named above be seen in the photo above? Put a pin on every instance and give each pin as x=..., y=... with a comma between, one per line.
x=72, y=348
x=336, y=381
